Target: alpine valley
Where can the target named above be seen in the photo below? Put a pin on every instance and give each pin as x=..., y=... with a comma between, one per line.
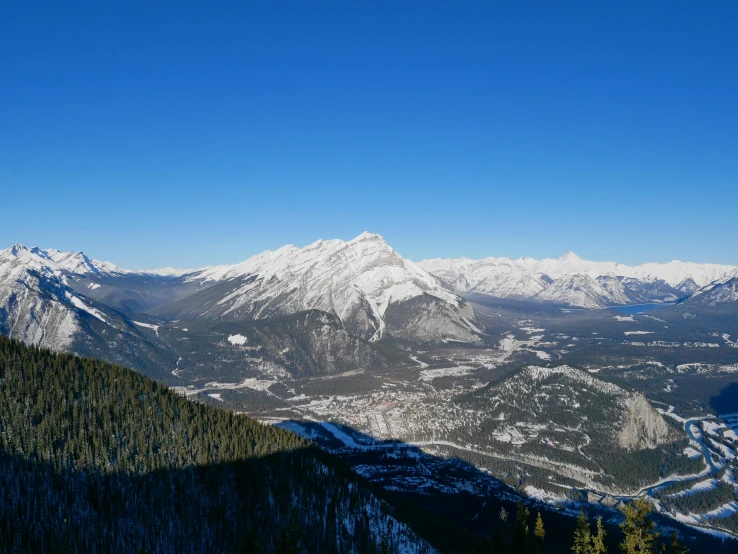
x=454, y=386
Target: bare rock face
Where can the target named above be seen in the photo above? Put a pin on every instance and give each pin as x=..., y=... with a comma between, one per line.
x=643, y=427
x=428, y=319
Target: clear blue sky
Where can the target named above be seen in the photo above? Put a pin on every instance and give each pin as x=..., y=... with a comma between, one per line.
x=194, y=133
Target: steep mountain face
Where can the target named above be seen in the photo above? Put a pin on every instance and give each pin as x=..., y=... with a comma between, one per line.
x=688, y=286
x=40, y=304
x=364, y=282
x=311, y=343
x=579, y=290
x=721, y=296
x=641, y=426
x=718, y=293
x=36, y=304
x=576, y=282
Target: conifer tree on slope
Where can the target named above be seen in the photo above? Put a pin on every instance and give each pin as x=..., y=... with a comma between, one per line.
x=598, y=540
x=582, y=535
x=675, y=547
x=641, y=536
x=539, y=533
x=520, y=532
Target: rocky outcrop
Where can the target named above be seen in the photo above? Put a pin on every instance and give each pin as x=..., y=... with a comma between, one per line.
x=642, y=426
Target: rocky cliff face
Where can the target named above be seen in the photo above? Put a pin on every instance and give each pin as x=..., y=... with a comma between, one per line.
x=643, y=427
x=35, y=305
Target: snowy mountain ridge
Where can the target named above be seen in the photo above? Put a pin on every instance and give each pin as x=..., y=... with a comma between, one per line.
x=674, y=273
x=36, y=303
x=357, y=280
x=577, y=282
x=77, y=263
x=54, y=260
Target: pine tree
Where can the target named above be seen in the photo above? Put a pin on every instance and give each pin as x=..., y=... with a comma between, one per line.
x=675, y=547
x=539, y=533
x=520, y=532
x=640, y=531
x=582, y=535
x=598, y=540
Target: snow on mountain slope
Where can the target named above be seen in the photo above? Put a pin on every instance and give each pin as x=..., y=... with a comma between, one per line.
x=36, y=306
x=78, y=263
x=716, y=294
x=527, y=278
x=360, y=281
x=576, y=290
x=39, y=305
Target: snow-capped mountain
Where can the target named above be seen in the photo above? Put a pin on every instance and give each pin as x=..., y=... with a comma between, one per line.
x=373, y=290
x=597, y=284
x=718, y=294
x=577, y=290
x=43, y=303
x=54, y=260
x=78, y=263
x=36, y=303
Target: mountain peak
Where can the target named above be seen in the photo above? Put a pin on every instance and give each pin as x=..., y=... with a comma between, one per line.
x=366, y=235
x=16, y=248
x=570, y=257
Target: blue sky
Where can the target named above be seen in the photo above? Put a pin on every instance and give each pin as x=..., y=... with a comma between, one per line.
x=186, y=134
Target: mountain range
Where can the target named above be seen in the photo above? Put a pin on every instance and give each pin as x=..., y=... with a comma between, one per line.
x=573, y=281
x=68, y=301
x=439, y=353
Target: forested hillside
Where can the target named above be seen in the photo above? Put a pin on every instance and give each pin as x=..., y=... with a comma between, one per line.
x=96, y=457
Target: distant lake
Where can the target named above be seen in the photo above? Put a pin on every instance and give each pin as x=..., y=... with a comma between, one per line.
x=640, y=308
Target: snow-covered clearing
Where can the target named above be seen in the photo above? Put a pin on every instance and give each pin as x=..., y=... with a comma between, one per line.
x=531, y=330
x=691, y=452
x=543, y=495
x=430, y=374
x=253, y=384
x=237, y=339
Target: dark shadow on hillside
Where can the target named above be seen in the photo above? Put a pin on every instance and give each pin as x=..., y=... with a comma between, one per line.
x=726, y=402
x=454, y=504
x=243, y=506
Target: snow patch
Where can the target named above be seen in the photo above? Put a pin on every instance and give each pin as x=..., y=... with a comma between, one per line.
x=237, y=339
